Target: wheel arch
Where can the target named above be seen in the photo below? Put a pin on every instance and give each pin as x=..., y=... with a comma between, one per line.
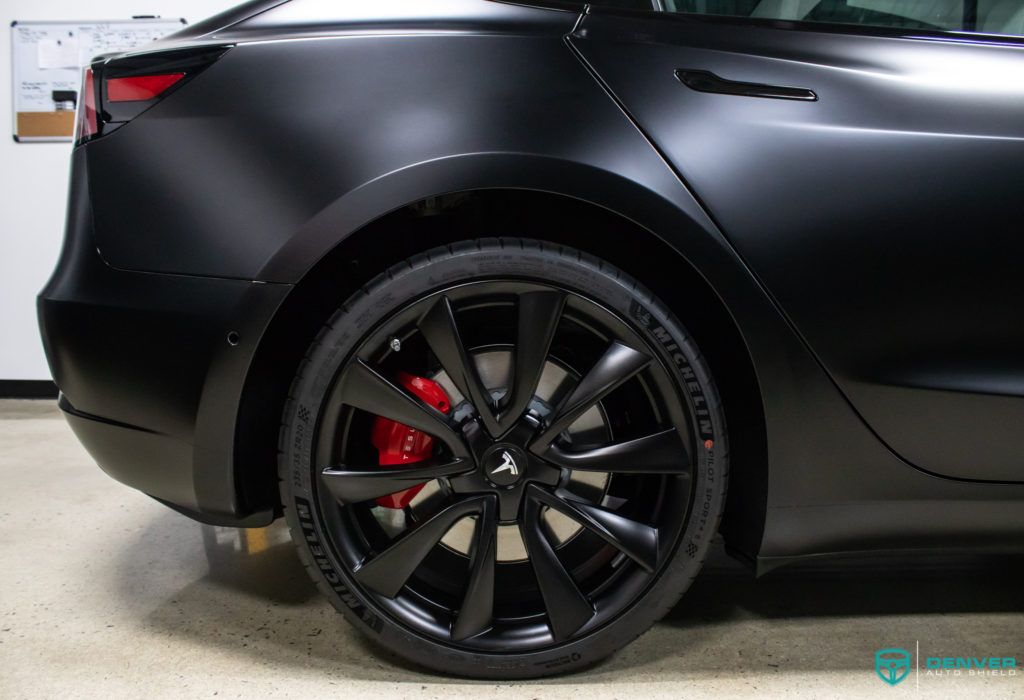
x=669, y=253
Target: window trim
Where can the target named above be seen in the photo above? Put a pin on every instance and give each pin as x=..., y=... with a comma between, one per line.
x=948, y=36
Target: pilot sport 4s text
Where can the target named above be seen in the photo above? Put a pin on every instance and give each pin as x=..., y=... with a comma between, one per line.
x=510, y=309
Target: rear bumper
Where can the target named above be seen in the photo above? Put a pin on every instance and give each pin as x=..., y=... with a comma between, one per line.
x=155, y=464
x=142, y=459
x=149, y=382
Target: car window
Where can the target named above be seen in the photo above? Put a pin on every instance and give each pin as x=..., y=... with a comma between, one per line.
x=986, y=16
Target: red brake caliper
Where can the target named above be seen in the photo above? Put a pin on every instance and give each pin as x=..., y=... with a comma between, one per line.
x=398, y=444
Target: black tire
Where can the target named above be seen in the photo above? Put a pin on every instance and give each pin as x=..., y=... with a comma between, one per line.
x=314, y=525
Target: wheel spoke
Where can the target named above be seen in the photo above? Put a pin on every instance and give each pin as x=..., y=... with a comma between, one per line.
x=351, y=485
x=634, y=539
x=478, y=604
x=568, y=609
x=442, y=334
x=618, y=364
x=387, y=572
x=363, y=387
x=661, y=453
x=539, y=314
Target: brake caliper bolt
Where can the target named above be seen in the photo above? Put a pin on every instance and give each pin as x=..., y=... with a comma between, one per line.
x=396, y=344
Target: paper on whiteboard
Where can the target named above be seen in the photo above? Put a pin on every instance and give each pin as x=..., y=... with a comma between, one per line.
x=114, y=38
x=57, y=53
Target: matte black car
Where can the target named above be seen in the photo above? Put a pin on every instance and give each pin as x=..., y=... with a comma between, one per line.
x=490, y=300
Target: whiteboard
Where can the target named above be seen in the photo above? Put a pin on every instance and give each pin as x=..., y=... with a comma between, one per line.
x=47, y=59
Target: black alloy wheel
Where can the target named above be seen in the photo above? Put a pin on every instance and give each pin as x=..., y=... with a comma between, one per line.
x=562, y=472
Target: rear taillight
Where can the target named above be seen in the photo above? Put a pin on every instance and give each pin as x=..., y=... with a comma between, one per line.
x=141, y=88
x=87, y=125
x=117, y=90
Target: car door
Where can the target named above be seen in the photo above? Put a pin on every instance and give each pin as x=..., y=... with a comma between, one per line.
x=866, y=159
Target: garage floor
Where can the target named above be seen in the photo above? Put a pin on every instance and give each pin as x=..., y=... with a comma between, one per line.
x=106, y=593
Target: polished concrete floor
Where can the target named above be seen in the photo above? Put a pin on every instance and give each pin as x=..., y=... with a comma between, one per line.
x=106, y=593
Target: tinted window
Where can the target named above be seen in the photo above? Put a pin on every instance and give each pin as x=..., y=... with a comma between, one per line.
x=988, y=16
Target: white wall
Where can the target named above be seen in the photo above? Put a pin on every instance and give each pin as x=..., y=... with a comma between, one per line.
x=33, y=179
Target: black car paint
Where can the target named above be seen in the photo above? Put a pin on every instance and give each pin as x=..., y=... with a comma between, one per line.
x=149, y=382
x=278, y=155
x=872, y=214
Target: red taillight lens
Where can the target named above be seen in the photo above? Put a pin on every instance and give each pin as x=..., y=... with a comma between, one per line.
x=88, y=124
x=117, y=90
x=140, y=88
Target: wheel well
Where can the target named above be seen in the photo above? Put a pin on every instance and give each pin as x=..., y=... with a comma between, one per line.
x=521, y=213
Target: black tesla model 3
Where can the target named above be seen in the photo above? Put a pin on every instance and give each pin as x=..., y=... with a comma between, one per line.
x=491, y=300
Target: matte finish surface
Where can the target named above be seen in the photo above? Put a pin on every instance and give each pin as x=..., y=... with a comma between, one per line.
x=864, y=244
x=884, y=217
x=144, y=356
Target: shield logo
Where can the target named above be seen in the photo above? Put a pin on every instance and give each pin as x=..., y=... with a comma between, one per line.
x=892, y=665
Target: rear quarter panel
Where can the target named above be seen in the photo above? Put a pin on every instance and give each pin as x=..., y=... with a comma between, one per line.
x=270, y=158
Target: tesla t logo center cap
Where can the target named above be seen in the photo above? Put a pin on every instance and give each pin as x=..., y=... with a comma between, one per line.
x=504, y=465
